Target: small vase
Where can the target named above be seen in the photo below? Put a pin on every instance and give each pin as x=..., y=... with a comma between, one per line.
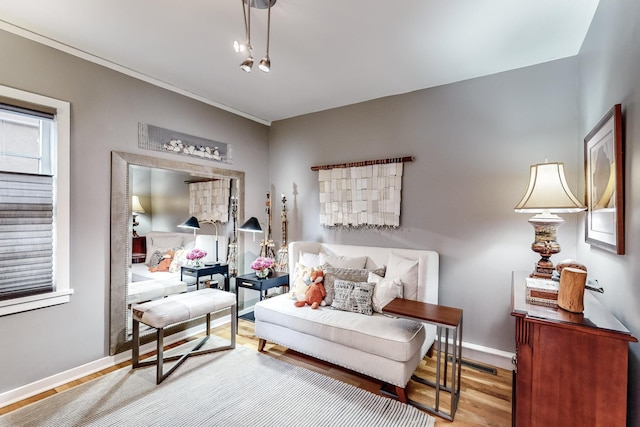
x=197, y=263
x=262, y=274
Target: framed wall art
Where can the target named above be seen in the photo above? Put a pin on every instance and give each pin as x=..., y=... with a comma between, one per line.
x=604, y=183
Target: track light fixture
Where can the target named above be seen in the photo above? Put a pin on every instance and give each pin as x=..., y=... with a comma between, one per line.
x=247, y=64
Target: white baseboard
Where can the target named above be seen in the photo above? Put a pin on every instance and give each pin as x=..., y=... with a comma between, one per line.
x=40, y=386
x=488, y=356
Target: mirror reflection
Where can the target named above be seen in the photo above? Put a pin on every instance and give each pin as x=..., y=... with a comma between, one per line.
x=169, y=219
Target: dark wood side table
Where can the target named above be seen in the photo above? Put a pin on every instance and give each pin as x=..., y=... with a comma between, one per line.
x=571, y=368
x=449, y=320
x=251, y=281
x=138, y=249
x=207, y=270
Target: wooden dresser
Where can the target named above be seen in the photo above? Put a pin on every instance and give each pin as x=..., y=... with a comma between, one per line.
x=571, y=369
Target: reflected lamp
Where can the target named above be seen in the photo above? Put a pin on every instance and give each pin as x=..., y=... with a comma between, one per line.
x=191, y=223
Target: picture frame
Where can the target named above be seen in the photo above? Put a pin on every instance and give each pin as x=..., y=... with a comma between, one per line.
x=604, y=183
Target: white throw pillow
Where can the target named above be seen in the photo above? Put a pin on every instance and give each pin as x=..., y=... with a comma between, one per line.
x=406, y=270
x=386, y=290
x=343, y=261
x=309, y=259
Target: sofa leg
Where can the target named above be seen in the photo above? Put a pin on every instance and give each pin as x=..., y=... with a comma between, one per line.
x=401, y=393
x=261, y=343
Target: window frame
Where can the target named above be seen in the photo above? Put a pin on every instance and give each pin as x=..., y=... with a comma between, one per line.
x=62, y=175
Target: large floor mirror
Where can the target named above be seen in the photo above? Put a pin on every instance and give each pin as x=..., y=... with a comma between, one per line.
x=162, y=190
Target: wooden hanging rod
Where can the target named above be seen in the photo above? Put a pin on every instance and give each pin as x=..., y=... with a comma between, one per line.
x=366, y=163
x=194, y=181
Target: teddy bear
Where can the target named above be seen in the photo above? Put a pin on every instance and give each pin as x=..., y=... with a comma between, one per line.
x=315, y=293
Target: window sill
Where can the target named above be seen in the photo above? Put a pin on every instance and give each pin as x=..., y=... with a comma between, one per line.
x=33, y=302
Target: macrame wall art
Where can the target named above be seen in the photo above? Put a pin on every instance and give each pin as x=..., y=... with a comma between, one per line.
x=209, y=200
x=361, y=194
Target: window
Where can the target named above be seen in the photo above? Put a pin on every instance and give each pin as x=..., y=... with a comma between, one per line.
x=34, y=201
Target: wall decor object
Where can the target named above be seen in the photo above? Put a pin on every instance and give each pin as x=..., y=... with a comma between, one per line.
x=361, y=194
x=209, y=199
x=158, y=139
x=604, y=179
x=283, y=253
x=267, y=247
x=232, y=258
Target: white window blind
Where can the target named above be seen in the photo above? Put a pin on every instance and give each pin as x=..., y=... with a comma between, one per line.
x=26, y=234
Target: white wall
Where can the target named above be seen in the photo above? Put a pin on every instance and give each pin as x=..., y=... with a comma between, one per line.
x=609, y=64
x=474, y=142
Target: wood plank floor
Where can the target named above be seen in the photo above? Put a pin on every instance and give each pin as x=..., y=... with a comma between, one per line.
x=485, y=399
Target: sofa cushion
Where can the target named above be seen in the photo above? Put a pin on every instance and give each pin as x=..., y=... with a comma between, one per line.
x=392, y=338
x=405, y=269
x=355, y=275
x=353, y=296
x=343, y=261
x=386, y=290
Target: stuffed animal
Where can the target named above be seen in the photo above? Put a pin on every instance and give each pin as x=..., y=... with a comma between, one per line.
x=314, y=296
x=165, y=263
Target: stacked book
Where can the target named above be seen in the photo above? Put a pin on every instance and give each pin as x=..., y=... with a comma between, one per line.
x=542, y=291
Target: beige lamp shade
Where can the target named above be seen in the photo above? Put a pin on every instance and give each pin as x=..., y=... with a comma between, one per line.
x=135, y=205
x=548, y=191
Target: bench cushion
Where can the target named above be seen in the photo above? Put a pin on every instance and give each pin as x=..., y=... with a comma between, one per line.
x=179, y=308
x=153, y=289
x=397, y=339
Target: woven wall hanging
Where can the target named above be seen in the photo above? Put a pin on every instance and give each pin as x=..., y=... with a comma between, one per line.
x=361, y=194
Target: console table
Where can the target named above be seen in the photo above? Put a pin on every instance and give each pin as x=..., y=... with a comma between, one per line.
x=571, y=369
x=449, y=320
x=207, y=270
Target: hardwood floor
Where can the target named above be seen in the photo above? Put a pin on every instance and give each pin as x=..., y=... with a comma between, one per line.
x=485, y=399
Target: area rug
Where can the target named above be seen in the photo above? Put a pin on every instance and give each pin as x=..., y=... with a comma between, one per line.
x=239, y=387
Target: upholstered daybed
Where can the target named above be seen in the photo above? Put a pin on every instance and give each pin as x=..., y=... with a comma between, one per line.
x=383, y=347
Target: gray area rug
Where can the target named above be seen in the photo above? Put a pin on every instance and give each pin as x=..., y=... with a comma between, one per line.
x=234, y=388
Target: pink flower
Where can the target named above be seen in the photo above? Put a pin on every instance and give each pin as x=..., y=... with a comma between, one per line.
x=196, y=254
x=261, y=263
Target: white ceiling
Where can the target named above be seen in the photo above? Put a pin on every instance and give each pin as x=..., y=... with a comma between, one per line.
x=324, y=54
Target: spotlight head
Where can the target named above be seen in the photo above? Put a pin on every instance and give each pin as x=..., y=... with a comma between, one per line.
x=247, y=64
x=239, y=47
x=265, y=64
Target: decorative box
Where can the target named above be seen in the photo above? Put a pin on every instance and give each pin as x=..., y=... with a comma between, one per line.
x=542, y=291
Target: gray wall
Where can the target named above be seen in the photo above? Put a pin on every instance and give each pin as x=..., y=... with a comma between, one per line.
x=609, y=64
x=474, y=142
x=106, y=107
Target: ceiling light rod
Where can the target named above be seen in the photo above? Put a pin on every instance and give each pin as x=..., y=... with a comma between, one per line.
x=247, y=64
x=265, y=63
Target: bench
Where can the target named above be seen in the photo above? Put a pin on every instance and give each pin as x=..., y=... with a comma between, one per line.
x=179, y=308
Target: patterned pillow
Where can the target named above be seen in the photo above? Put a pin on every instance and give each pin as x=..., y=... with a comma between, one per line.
x=353, y=296
x=300, y=282
x=355, y=275
x=155, y=259
x=179, y=259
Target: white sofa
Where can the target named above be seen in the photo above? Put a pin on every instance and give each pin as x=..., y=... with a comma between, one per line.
x=383, y=347
x=145, y=285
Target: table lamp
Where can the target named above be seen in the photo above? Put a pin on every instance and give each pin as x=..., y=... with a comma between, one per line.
x=191, y=223
x=136, y=208
x=547, y=195
x=252, y=225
